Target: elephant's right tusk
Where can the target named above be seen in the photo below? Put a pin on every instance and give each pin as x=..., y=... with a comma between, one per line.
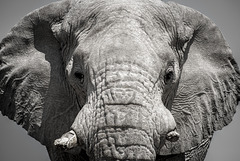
x=172, y=136
x=67, y=141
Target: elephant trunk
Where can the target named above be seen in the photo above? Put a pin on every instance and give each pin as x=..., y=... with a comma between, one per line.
x=124, y=130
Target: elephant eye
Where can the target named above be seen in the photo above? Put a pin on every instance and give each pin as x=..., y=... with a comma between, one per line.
x=168, y=76
x=79, y=76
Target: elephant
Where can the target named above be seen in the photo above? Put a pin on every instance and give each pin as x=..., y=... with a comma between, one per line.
x=118, y=80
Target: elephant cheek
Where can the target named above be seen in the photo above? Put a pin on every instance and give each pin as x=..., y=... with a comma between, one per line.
x=165, y=127
x=82, y=126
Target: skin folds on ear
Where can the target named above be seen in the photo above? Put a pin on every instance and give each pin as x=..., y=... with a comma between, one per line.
x=208, y=91
x=31, y=74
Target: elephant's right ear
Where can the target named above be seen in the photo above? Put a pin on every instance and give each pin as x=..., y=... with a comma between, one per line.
x=209, y=87
x=31, y=69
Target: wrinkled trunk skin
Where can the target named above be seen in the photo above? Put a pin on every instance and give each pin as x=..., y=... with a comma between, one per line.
x=123, y=125
x=124, y=134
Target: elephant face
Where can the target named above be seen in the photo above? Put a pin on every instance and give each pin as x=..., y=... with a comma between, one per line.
x=125, y=73
x=106, y=74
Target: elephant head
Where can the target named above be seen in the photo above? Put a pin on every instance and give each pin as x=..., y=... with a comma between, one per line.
x=105, y=75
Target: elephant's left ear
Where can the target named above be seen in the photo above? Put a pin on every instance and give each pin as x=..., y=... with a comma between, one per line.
x=209, y=88
x=31, y=71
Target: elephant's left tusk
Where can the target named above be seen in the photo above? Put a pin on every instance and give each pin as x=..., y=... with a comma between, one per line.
x=67, y=141
x=172, y=136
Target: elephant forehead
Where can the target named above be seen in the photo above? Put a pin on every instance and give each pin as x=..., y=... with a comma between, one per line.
x=125, y=47
x=94, y=6
x=116, y=46
x=121, y=29
x=85, y=16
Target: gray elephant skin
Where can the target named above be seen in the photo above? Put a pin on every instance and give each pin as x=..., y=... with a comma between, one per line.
x=105, y=80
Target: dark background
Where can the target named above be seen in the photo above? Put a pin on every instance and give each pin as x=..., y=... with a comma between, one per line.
x=16, y=145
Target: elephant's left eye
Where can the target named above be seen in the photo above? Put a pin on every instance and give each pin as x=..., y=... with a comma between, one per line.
x=79, y=76
x=169, y=76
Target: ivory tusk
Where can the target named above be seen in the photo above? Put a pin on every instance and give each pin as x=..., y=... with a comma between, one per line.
x=67, y=141
x=172, y=136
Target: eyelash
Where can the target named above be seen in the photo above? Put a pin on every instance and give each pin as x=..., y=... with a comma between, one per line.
x=169, y=75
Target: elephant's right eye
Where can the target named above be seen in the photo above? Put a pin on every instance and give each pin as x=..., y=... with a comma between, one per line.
x=79, y=76
x=169, y=76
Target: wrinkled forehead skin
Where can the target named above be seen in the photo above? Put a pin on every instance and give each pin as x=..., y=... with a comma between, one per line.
x=90, y=23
